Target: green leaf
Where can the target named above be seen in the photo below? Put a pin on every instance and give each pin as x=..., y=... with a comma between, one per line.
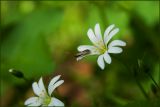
x=26, y=48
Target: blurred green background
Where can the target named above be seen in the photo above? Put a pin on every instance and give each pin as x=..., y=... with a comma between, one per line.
x=40, y=38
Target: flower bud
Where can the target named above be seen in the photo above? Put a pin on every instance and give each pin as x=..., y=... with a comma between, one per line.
x=16, y=73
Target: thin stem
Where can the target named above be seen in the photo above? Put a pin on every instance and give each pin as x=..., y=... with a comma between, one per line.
x=153, y=80
x=137, y=81
x=142, y=89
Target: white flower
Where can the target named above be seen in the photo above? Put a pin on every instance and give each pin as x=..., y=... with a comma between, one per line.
x=43, y=98
x=101, y=46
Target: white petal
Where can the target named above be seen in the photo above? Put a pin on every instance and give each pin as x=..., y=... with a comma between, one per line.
x=100, y=62
x=107, y=57
x=56, y=102
x=51, y=88
x=35, y=104
x=36, y=89
x=54, y=80
x=32, y=101
x=111, y=34
x=107, y=31
x=117, y=43
x=115, y=50
x=93, y=49
x=98, y=32
x=41, y=85
x=92, y=37
x=85, y=47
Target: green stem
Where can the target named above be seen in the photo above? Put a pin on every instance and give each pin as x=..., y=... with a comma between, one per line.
x=142, y=89
x=137, y=81
x=153, y=80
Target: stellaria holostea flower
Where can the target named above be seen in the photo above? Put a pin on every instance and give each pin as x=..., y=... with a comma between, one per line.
x=43, y=98
x=101, y=46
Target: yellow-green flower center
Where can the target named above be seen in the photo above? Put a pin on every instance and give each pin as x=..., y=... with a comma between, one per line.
x=47, y=100
x=103, y=50
x=101, y=47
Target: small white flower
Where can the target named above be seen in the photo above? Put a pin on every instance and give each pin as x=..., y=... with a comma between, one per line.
x=43, y=98
x=101, y=46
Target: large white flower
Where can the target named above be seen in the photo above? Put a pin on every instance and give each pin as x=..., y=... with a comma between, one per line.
x=43, y=98
x=101, y=46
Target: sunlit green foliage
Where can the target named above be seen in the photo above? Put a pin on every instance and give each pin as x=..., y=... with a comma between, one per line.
x=40, y=38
